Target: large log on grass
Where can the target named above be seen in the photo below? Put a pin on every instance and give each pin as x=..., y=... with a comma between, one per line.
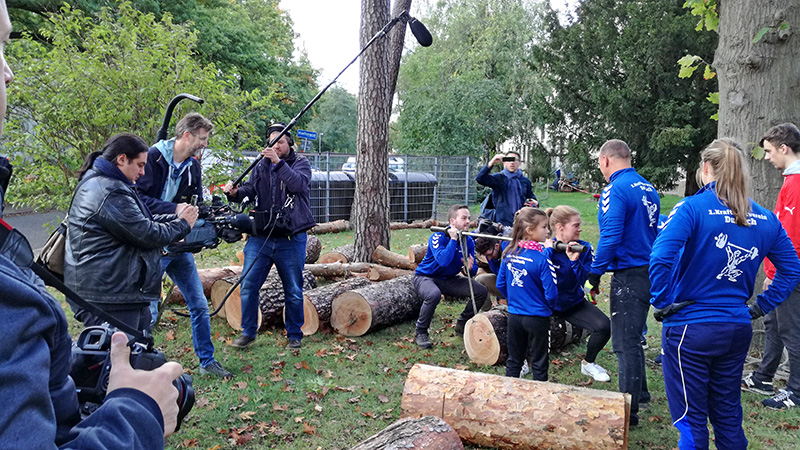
x=317, y=303
x=424, y=433
x=207, y=278
x=378, y=272
x=313, y=249
x=357, y=312
x=416, y=252
x=343, y=254
x=512, y=413
x=331, y=227
x=337, y=269
x=270, y=299
x=485, y=336
x=388, y=258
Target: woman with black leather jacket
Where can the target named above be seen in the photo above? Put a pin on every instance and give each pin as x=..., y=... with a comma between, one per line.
x=113, y=249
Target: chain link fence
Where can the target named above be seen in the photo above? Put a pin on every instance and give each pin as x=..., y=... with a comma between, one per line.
x=420, y=187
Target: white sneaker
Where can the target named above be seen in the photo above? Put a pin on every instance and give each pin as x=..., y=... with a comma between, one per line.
x=595, y=371
x=525, y=369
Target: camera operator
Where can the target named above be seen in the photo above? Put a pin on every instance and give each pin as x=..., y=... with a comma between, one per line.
x=113, y=248
x=40, y=404
x=281, y=181
x=511, y=190
x=171, y=177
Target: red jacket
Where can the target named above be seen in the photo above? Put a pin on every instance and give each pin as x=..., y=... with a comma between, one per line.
x=789, y=215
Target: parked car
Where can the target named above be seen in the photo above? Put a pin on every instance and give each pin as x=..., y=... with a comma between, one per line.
x=396, y=164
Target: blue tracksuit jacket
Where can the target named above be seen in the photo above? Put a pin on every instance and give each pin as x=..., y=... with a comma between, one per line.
x=571, y=276
x=628, y=219
x=528, y=280
x=717, y=268
x=443, y=259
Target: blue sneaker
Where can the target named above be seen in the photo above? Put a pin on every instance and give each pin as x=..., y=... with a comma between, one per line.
x=784, y=400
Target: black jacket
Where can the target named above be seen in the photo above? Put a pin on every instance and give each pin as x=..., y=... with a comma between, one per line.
x=151, y=184
x=113, y=250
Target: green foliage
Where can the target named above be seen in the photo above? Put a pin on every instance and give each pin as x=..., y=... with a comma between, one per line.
x=335, y=120
x=105, y=76
x=707, y=11
x=612, y=69
x=478, y=86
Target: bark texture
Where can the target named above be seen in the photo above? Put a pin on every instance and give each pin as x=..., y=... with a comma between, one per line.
x=207, y=278
x=424, y=433
x=313, y=249
x=336, y=226
x=417, y=252
x=343, y=254
x=317, y=303
x=378, y=272
x=388, y=258
x=357, y=312
x=512, y=413
x=337, y=269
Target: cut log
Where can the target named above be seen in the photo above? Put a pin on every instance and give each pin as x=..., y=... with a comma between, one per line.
x=378, y=272
x=485, y=337
x=512, y=413
x=232, y=310
x=357, y=312
x=388, y=258
x=270, y=299
x=239, y=258
x=331, y=227
x=317, y=303
x=413, y=225
x=313, y=249
x=343, y=254
x=207, y=278
x=337, y=269
x=424, y=433
x=417, y=252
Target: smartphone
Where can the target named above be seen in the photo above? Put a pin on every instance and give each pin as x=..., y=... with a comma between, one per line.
x=509, y=159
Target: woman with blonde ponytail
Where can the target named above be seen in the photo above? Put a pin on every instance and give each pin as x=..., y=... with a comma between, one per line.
x=702, y=270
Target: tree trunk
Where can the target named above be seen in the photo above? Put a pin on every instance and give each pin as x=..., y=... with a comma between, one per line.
x=317, y=303
x=370, y=213
x=382, y=273
x=485, y=337
x=357, y=312
x=207, y=278
x=424, y=433
x=344, y=254
x=336, y=226
x=416, y=252
x=512, y=413
x=313, y=249
x=336, y=269
x=388, y=258
x=396, y=40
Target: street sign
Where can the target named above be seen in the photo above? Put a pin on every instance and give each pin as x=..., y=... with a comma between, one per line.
x=305, y=145
x=312, y=135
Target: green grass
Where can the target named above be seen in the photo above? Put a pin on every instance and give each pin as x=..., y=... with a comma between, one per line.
x=338, y=391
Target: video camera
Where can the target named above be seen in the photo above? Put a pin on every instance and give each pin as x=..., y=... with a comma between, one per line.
x=91, y=355
x=214, y=222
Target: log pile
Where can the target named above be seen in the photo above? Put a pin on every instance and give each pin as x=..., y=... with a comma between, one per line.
x=413, y=225
x=416, y=252
x=424, y=433
x=343, y=254
x=317, y=303
x=383, y=256
x=338, y=269
x=207, y=278
x=357, y=312
x=512, y=413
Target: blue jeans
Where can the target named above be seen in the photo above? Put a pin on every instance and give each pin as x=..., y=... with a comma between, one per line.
x=702, y=366
x=181, y=269
x=289, y=256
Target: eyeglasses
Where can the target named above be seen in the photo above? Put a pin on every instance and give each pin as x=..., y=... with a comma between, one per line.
x=15, y=246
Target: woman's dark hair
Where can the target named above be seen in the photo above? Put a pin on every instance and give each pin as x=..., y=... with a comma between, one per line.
x=127, y=144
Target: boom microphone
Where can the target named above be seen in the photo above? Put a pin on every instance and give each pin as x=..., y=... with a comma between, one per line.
x=420, y=32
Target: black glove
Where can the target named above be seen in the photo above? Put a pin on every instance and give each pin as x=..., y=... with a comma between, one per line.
x=660, y=313
x=755, y=311
x=594, y=280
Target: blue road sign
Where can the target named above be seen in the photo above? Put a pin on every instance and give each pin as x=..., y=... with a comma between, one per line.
x=312, y=135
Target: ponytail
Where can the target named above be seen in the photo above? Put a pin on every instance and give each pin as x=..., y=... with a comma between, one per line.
x=127, y=144
x=88, y=163
x=732, y=172
x=523, y=219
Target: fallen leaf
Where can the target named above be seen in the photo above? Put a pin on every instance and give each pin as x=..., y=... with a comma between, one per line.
x=317, y=408
x=247, y=415
x=299, y=419
x=354, y=399
x=585, y=383
x=239, y=385
x=656, y=419
x=301, y=365
x=461, y=367
x=277, y=407
x=247, y=368
x=189, y=443
x=169, y=335
x=308, y=429
x=383, y=399
x=201, y=402
x=328, y=374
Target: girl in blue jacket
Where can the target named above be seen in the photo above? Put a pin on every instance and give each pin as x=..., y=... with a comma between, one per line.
x=528, y=280
x=572, y=270
x=701, y=294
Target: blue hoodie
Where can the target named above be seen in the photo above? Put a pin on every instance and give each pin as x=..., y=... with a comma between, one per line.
x=443, y=259
x=528, y=281
x=571, y=276
x=718, y=266
x=628, y=218
x=164, y=184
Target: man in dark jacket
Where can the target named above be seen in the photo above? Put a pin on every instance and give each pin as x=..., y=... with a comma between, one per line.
x=171, y=178
x=511, y=190
x=279, y=185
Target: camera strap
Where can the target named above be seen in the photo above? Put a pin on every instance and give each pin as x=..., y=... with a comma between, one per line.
x=18, y=242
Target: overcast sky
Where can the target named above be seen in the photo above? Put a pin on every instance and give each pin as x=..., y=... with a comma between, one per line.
x=328, y=31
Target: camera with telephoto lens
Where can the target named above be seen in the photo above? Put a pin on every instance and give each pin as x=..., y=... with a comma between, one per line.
x=562, y=247
x=91, y=367
x=509, y=158
x=215, y=222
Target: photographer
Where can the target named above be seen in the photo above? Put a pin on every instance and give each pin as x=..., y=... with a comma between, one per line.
x=113, y=248
x=171, y=177
x=279, y=184
x=40, y=404
x=511, y=190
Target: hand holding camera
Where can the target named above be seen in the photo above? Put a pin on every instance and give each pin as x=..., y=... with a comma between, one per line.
x=155, y=383
x=189, y=213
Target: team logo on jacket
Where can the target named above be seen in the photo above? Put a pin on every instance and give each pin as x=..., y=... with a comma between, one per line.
x=736, y=256
x=517, y=274
x=651, y=210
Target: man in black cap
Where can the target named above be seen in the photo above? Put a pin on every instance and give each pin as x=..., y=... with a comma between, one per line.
x=279, y=187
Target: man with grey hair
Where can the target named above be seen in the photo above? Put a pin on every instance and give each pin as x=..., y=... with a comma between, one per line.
x=171, y=178
x=628, y=219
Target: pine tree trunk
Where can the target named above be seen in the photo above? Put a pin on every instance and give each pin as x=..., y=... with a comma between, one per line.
x=207, y=278
x=357, y=312
x=417, y=252
x=317, y=303
x=485, y=337
x=331, y=227
x=313, y=249
x=391, y=259
x=424, y=433
x=337, y=269
x=343, y=254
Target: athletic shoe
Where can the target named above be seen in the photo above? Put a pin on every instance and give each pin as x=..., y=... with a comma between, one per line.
x=658, y=359
x=423, y=340
x=751, y=383
x=595, y=371
x=525, y=369
x=294, y=344
x=644, y=343
x=216, y=369
x=784, y=400
x=242, y=341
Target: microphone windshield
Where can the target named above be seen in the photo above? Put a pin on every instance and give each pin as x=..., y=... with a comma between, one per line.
x=420, y=32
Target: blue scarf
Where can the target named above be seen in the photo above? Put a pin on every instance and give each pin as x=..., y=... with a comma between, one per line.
x=514, y=192
x=107, y=168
